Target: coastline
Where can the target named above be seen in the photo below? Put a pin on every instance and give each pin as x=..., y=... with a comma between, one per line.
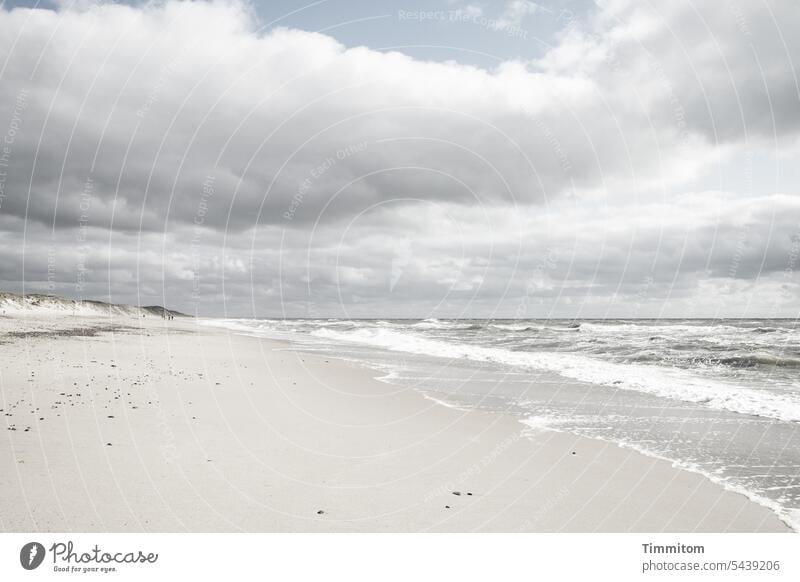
x=155, y=425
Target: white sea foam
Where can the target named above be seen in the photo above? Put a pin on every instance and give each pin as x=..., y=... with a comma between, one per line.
x=444, y=403
x=541, y=423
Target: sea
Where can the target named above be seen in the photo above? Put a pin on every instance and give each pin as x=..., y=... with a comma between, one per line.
x=718, y=397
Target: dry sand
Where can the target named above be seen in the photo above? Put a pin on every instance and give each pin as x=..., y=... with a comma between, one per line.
x=140, y=424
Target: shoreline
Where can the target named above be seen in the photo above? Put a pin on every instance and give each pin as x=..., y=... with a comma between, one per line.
x=199, y=428
x=382, y=376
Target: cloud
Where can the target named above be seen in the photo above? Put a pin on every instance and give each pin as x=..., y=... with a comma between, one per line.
x=160, y=151
x=728, y=72
x=149, y=102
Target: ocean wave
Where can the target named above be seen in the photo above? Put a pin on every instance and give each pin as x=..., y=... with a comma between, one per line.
x=765, y=330
x=431, y=323
x=511, y=327
x=675, y=329
x=753, y=360
x=672, y=383
x=445, y=325
x=552, y=327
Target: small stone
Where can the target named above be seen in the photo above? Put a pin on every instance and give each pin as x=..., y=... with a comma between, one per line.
x=320, y=512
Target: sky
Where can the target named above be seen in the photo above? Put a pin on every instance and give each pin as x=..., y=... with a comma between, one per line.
x=441, y=158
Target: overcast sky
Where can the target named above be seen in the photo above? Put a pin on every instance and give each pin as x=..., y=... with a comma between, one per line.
x=441, y=158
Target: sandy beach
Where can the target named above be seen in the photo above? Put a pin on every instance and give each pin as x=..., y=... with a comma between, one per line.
x=137, y=424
